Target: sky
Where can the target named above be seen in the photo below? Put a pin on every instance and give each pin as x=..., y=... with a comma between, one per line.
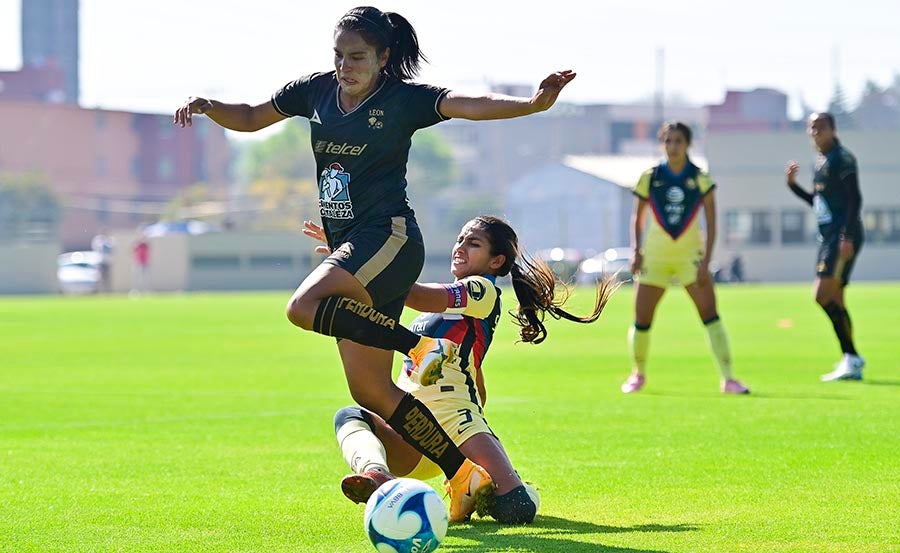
x=150, y=56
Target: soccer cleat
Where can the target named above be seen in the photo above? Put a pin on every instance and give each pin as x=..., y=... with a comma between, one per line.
x=431, y=364
x=359, y=487
x=849, y=368
x=634, y=383
x=732, y=386
x=469, y=481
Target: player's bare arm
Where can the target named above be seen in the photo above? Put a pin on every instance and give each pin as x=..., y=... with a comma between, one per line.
x=498, y=106
x=236, y=117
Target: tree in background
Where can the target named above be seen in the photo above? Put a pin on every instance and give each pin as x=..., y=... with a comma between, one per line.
x=28, y=207
x=837, y=107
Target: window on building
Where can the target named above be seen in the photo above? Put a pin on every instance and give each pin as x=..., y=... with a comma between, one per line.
x=748, y=226
x=166, y=128
x=882, y=225
x=100, y=166
x=165, y=169
x=793, y=226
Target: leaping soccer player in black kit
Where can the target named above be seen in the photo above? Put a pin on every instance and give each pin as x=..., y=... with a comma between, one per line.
x=362, y=116
x=836, y=201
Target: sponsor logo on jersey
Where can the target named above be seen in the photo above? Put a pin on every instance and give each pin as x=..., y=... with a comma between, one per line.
x=334, y=193
x=315, y=117
x=691, y=184
x=674, y=205
x=345, y=149
x=456, y=295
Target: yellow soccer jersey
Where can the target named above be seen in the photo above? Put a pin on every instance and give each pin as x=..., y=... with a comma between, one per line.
x=473, y=310
x=675, y=201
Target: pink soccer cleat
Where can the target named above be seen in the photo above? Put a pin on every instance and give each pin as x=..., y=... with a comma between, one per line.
x=732, y=386
x=634, y=383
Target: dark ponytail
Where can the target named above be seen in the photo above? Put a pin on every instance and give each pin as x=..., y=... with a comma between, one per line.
x=384, y=30
x=535, y=284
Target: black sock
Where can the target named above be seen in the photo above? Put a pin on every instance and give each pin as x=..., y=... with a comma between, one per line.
x=841, y=325
x=514, y=507
x=346, y=318
x=420, y=429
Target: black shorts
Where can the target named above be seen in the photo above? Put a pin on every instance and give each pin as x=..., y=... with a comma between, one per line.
x=386, y=257
x=829, y=262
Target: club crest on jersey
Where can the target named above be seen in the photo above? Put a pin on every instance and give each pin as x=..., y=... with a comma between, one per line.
x=334, y=193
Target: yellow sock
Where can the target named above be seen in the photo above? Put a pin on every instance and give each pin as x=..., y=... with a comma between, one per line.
x=718, y=341
x=639, y=343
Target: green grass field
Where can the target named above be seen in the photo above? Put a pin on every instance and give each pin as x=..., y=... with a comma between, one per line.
x=203, y=423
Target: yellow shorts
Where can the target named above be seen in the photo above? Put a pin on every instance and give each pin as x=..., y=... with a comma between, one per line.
x=660, y=271
x=460, y=419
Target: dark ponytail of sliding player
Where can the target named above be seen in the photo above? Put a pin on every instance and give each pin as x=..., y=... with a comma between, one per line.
x=535, y=284
x=387, y=30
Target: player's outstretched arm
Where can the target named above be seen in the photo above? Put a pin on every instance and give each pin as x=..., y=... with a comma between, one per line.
x=499, y=106
x=236, y=117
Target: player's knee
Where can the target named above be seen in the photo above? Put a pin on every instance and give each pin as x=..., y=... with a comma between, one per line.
x=298, y=313
x=352, y=413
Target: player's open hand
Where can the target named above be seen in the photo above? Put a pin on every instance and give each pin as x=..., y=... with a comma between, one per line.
x=550, y=88
x=791, y=171
x=318, y=233
x=192, y=105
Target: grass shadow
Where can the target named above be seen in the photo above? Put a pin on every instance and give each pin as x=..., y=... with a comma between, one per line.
x=881, y=382
x=550, y=533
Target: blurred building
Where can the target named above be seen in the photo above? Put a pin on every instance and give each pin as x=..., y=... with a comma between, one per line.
x=758, y=110
x=110, y=169
x=490, y=155
x=49, y=54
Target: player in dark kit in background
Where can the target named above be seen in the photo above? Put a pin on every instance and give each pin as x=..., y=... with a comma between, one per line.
x=837, y=202
x=362, y=117
x=467, y=311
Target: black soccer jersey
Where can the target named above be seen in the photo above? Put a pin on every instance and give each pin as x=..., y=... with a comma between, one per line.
x=836, y=197
x=360, y=155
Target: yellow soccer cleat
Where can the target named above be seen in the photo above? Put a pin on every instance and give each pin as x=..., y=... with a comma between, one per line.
x=470, y=480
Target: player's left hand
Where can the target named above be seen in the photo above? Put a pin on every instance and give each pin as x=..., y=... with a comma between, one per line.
x=316, y=232
x=550, y=88
x=846, y=249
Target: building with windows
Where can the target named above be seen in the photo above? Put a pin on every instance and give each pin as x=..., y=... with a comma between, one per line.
x=110, y=169
x=773, y=231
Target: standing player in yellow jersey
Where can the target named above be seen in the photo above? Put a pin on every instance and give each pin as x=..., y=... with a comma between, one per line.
x=675, y=190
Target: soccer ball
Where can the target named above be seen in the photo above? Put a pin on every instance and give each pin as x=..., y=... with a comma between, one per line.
x=405, y=516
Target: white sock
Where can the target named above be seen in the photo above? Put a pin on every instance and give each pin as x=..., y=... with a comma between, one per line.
x=362, y=450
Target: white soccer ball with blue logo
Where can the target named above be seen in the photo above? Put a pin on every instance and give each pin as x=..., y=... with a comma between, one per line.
x=405, y=515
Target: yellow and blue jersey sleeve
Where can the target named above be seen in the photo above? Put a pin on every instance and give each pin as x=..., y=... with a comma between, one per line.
x=705, y=183
x=473, y=296
x=642, y=188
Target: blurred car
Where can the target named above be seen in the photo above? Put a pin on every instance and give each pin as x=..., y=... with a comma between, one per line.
x=78, y=272
x=612, y=261
x=562, y=261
